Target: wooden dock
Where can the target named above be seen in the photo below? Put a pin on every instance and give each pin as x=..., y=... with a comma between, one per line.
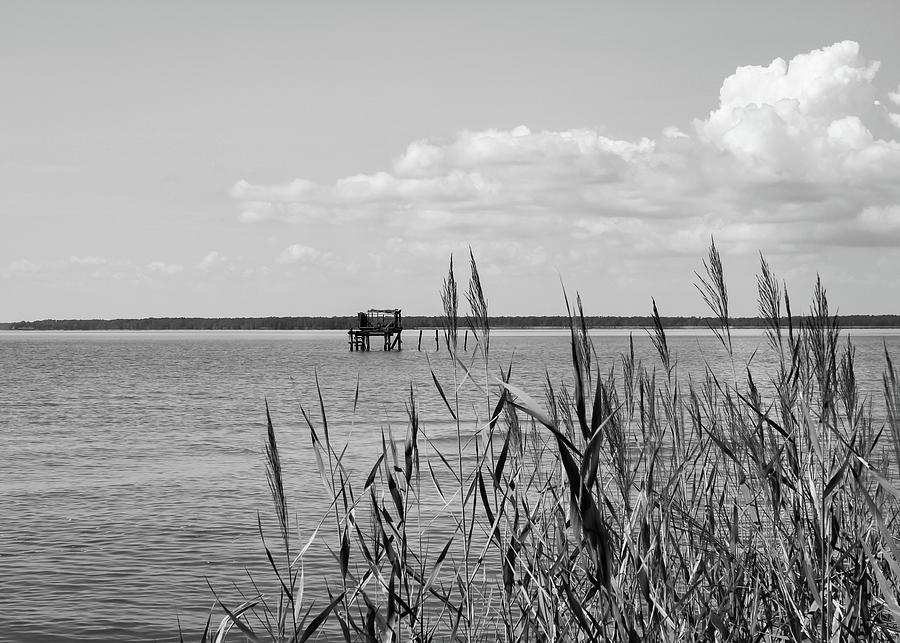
x=384, y=323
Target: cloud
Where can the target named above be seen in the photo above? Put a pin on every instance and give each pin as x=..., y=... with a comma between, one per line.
x=22, y=267
x=803, y=119
x=211, y=260
x=300, y=254
x=494, y=256
x=894, y=97
x=788, y=158
x=87, y=261
x=163, y=268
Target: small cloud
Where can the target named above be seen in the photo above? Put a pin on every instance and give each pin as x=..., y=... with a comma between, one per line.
x=880, y=221
x=497, y=254
x=895, y=96
x=23, y=266
x=211, y=260
x=673, y=132
x=298, y=253
x=162, y=268
x=87, y=261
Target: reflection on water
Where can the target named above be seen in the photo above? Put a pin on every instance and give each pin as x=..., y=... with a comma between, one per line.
x=132, y=465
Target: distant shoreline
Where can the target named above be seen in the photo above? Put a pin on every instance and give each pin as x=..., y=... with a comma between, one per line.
x=412, y=322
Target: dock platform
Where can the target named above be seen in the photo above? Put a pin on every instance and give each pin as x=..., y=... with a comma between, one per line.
x=385, y=323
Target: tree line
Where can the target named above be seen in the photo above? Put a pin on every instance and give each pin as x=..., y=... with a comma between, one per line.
x=409, y=322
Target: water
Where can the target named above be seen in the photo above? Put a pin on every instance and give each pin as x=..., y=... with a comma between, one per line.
x=132, y=464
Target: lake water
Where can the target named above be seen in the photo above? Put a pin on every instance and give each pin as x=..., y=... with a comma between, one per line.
x=132, y=463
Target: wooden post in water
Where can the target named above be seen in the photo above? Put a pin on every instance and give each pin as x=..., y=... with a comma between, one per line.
x=420, y=340
x=437, y=345
x=466, y=341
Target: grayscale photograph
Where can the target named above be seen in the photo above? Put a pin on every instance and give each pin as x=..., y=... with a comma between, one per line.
x=462, y=321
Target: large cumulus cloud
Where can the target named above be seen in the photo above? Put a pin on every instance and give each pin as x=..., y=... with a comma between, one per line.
x=797, y=154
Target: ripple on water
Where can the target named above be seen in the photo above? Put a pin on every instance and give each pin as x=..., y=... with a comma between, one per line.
x=132, y=465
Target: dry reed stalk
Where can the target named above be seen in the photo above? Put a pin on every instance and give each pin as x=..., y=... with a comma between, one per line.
x=625, y=507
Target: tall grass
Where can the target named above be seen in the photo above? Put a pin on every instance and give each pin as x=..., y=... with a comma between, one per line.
x=631, y=505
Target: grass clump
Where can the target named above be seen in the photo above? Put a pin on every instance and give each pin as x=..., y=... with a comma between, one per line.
x=629, y=504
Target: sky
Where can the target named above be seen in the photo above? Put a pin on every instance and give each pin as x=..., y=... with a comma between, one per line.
x=225, y=159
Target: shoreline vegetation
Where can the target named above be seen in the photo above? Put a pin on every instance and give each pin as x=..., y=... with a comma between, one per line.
x=632, y=503
x=416, y=322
